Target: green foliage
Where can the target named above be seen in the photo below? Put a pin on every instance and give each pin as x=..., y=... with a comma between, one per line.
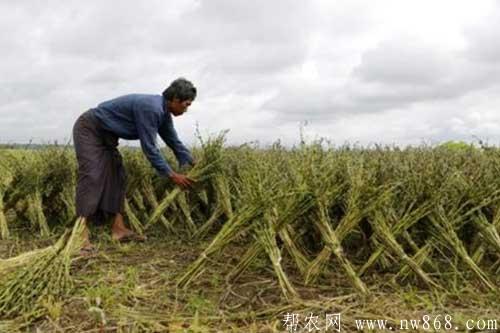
x=457, y=146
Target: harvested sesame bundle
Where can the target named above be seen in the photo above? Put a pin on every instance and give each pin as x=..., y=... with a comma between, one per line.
x=5, y=181
x=29, y=279
x=208, y=166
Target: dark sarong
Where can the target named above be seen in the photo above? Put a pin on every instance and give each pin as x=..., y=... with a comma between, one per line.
x=101, y=176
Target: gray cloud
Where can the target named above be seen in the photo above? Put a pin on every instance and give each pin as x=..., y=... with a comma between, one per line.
x=396, y=74
x=261, y=68
x=482, y=39
x=406, y=61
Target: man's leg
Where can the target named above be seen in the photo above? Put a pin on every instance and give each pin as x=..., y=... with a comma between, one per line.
x=88, y=151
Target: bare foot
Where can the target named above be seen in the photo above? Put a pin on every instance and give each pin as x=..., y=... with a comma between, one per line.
x=87, y=249
x=126, y=235
x=121, y=233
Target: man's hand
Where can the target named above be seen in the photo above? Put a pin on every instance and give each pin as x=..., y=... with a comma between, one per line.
x=181, y=180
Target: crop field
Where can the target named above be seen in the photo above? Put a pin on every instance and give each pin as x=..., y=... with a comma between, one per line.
x=266, y=235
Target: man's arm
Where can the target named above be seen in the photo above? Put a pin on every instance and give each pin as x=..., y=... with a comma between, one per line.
x=169, y=136
x=147, y=128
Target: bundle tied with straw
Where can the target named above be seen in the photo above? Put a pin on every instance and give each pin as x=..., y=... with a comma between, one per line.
x=208, y=166
x=29, y=279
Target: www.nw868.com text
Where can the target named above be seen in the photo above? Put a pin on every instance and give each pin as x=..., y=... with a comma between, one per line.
x=332, y=322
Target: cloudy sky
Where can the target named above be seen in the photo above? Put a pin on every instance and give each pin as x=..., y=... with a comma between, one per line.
x=395, y=72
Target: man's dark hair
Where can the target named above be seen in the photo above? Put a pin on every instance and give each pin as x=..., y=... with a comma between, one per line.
x=181, y=89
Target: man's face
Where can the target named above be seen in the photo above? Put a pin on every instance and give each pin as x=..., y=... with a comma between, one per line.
x=177, y=107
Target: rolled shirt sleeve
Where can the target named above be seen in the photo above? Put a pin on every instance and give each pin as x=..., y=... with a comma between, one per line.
x=169, y=136
x=147, y=124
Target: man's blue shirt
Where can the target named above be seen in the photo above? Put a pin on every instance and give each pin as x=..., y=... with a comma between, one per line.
x=142, y=117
